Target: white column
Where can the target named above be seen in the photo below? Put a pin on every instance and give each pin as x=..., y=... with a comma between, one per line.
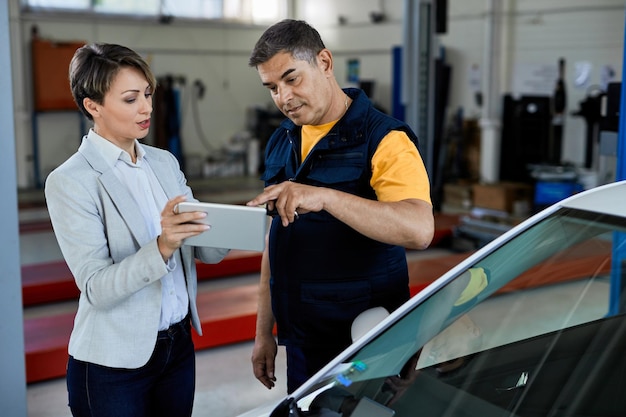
x=490, y=121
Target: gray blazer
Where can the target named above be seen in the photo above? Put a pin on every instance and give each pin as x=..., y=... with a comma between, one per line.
x=115, y=263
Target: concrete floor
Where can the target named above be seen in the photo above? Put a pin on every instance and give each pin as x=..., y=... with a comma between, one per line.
x=226, y=386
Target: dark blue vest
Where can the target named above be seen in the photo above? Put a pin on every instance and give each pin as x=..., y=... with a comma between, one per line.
x=324, y=273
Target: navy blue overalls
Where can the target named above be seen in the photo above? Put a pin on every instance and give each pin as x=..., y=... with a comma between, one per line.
x=324, y=273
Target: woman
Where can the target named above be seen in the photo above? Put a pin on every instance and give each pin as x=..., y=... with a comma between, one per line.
x=112, y=208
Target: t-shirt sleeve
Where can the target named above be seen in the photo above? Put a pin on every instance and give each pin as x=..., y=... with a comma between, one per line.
x=398, y=171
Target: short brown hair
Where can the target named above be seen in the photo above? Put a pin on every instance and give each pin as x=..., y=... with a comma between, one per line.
x=94, y=67
x=296, y=37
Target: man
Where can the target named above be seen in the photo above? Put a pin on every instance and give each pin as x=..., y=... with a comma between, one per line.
x=350, y=193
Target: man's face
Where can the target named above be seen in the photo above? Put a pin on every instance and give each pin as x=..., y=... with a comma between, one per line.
x=300, y=90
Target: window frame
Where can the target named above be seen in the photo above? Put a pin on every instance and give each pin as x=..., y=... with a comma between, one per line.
x=232, y=11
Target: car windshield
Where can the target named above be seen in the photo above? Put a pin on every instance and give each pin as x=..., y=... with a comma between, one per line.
x=521, y=331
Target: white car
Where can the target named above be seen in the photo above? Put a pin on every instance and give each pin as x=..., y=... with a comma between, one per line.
x=533, y=324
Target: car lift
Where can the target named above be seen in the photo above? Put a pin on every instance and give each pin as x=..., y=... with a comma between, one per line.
x=618, y=259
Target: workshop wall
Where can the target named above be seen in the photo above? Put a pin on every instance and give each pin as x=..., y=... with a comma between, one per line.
x=214, y=57
x=590, y=39
x=536, y=33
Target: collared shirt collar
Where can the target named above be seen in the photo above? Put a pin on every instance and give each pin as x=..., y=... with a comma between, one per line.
x=111, y=152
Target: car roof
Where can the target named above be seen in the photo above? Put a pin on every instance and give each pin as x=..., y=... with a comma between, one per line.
x=608, y=199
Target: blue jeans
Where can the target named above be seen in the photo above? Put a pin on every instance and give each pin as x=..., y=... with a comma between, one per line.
x=165, y=386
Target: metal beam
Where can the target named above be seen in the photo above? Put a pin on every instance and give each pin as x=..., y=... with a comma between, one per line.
x=418, y=75
x=12, y=363
x=490, y=120
x=620, y=173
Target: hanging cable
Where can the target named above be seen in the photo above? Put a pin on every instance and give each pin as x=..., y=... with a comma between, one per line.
x=197, y=94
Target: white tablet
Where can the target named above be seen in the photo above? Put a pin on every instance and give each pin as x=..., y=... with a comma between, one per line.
x=232, y=226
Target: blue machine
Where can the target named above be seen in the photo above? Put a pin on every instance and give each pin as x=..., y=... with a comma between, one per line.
x=619, y=250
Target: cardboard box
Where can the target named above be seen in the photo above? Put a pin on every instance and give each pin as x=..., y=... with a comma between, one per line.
x=513, y=198
x=458, y=195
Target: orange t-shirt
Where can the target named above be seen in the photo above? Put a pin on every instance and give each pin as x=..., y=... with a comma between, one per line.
x=398, y=172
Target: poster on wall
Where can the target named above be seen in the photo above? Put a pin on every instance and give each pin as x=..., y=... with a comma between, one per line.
x=534, y=79
x=354, y=67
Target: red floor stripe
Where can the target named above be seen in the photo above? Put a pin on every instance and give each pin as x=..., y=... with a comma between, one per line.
x=228, y=315
x=52, y=281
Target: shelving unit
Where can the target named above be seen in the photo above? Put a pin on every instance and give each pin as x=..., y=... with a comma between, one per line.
x=38, y=180
x=51, y=91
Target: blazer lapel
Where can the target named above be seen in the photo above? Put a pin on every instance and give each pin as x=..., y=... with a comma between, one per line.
x=118, y=193
x=162, y=171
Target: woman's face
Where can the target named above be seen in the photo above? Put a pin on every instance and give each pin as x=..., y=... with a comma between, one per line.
x=124, y=114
